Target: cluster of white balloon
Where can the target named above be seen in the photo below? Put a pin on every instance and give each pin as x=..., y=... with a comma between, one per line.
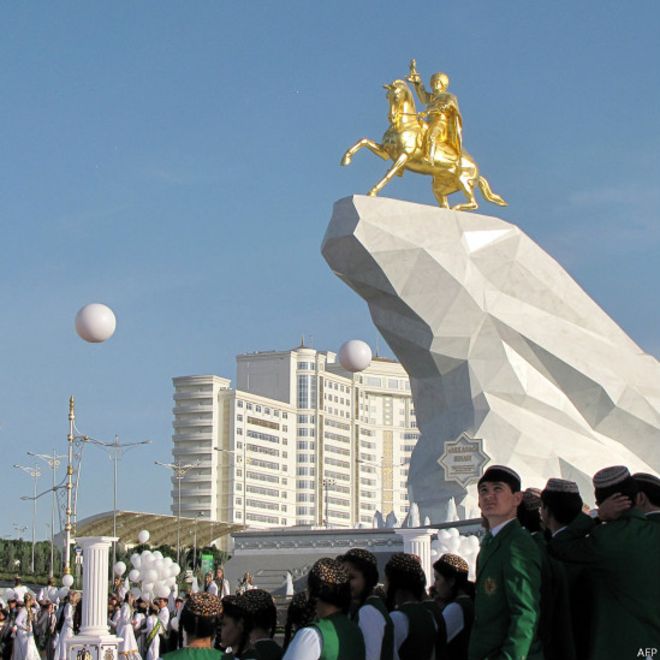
x=449, y=540
x=155, y=574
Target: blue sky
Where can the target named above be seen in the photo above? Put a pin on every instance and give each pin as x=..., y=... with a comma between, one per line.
x=179, y=162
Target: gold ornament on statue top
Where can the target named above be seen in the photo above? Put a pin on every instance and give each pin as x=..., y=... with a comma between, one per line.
x=428, y=142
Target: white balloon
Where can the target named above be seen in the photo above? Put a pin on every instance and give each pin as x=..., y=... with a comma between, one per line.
x=67, y=580
x=168, y=561
x=136, y=560
x=162, y=591
x=157, y=554
x=146, y=595
x=119, y=568
x=150, y=575
x=355, y=355
x=143, y=536
x=175, y=570
x=170, y=581
x=134, y=575
x=95, y=323
x=453, y=532
x=147, y=586
x=135, y=591
x=62, y=593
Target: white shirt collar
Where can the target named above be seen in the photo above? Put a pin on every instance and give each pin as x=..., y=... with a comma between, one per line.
x=497, y=528
x=561, y=529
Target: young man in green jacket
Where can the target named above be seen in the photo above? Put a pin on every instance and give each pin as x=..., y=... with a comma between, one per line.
x=621, y=557
x=508, y=586
x=648, y=498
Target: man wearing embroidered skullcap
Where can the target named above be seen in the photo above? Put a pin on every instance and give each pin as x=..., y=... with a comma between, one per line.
x=508, y=585
x=334, y=636
x=648, y=498
x=554, y=621
x=369, y=611
x=419, y=632
x=199, y=619
x=621, y=559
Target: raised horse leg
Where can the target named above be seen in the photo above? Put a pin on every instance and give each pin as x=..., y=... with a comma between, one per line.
x=364, y=142
x=398, y=166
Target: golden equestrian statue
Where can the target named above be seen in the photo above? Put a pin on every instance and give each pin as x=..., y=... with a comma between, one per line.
x=429, y=142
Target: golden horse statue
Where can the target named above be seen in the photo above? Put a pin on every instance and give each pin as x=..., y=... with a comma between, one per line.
x=404, y=143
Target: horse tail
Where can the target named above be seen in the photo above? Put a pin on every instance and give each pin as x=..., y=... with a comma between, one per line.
x=484, y=186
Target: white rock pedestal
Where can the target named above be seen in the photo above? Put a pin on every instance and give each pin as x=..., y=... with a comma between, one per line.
x=501, y=345
x=94, y=642
x=418, y=542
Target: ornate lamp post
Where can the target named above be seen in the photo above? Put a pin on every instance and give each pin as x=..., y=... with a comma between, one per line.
x=53, y=463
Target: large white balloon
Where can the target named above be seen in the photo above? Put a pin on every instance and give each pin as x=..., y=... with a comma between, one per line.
x=143, y=536
x=136, y=560
x=150, y=575
x=162, y=591
x=62, y=593
x=157, y=554
x=168, y=561
x=175, y=569
x=147, y=586
x=95, y=323
x=355, y=355
x=119, y=568
x=134, y=575
x=67, y=580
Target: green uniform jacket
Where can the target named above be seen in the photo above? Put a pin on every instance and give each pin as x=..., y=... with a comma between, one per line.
x=622, y=560
x=264, y=649
x=555, y=624
x=341, y=639
x=653, y=516
x=507, y=597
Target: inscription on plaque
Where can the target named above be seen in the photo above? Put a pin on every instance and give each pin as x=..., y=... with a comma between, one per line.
x=463, y=459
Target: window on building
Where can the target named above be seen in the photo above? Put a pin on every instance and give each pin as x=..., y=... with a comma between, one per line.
x=239, y=403
x=248, y=406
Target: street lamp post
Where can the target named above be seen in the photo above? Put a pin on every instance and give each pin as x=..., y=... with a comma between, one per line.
x=116, y=450
x=53, y=463
x=179, y=471
x=34, y=473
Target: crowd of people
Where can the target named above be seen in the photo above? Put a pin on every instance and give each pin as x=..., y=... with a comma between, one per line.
x=554, y=581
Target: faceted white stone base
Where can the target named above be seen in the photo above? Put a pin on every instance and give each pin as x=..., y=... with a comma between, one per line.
x=500, y=343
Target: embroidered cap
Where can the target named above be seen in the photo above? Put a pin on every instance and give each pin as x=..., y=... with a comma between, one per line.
x=504, y=474
x=455, y=563
x=204, y=605
x=561, y=486
x=532, y=499
x=610, y=476
x=644, y=478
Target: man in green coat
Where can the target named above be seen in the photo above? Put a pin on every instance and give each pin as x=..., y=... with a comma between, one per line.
x=648, y=498
x=621, y=557
x=508, y=586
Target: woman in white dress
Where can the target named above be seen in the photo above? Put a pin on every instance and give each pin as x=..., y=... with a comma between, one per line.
x=65, y=624
x=25, y=647
x=128, y=648
x=152, y=632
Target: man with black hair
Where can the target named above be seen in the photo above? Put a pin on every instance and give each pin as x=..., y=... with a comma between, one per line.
x=561, y=503
x=334, y=636
x=508, y=586
x=369, y=611
x=648, y=498
x=620, y=557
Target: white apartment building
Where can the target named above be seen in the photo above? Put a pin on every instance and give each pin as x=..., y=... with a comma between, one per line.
x=300, y=441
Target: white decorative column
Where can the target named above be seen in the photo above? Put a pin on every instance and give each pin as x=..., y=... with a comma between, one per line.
x=417, y=541
x=94, y=642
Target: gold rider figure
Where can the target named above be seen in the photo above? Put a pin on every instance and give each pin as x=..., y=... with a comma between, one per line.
x=444, y=138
